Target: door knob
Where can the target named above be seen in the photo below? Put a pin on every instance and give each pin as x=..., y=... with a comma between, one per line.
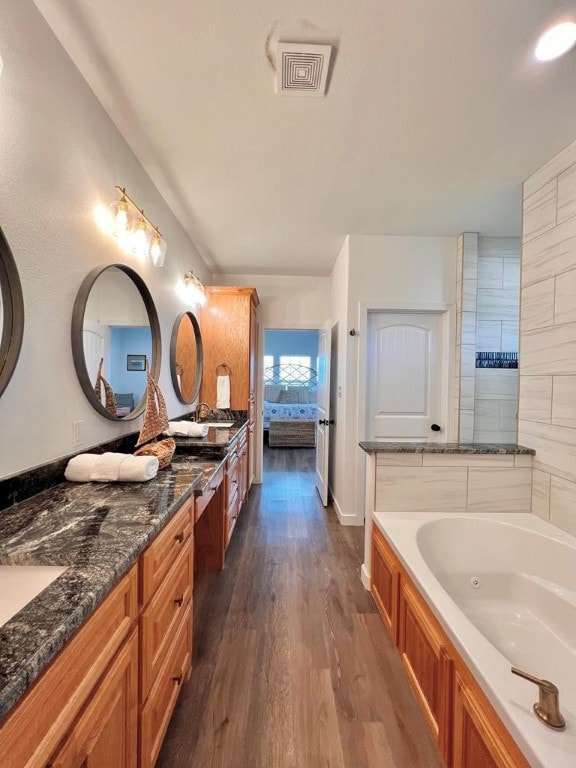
x=436, y=428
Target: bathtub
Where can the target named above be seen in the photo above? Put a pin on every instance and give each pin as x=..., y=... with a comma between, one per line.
x=503, y=587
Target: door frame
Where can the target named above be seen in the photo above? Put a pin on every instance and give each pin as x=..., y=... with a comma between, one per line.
x=362, y=494
x=259, y=432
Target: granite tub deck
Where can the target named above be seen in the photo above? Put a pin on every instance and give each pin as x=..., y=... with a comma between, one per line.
x=464, y=448
x=97, y=530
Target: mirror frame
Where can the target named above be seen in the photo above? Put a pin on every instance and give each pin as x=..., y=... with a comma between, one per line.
x=13, y=313
x=78, y=344
x=199, y=357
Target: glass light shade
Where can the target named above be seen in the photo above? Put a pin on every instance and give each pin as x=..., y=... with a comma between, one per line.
x=157, y=252
x=556, y=41
x=139, y=245
x=194, y=289
x=121, y=217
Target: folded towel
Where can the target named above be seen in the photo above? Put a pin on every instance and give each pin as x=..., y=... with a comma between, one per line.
x=222, y=391
x=110, y=468
x=186, y=429
x=138, y=469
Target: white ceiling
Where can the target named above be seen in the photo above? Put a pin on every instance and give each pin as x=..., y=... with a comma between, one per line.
x=436, y=111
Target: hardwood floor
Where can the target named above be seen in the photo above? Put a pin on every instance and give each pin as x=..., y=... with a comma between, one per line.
x=292, y=665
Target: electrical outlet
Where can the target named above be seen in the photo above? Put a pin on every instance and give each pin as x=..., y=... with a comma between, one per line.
x=77, y=433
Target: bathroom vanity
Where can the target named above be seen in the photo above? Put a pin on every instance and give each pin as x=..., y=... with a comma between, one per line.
x=91, y=668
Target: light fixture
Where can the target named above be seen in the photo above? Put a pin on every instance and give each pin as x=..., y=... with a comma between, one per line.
x=556, y=41
x=195, y=291
x=134, y=231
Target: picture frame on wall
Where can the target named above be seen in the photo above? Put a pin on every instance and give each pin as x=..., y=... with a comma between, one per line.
x=135, y=362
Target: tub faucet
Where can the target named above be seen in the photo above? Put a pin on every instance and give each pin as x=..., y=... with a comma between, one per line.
x=546, y=708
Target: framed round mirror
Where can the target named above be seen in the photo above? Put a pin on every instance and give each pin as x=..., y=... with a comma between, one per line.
x=115, y=336
x=11, y=313
x=186, y=357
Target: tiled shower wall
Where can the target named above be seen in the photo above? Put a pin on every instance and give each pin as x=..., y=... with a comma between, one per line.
x=548, y=337
x=487, y=308
x=497, y=317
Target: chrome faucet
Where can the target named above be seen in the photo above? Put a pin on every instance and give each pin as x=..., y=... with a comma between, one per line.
x=546, y=708
x=202, y=410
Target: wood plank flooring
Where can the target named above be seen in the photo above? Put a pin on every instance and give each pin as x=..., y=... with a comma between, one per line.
x=292, y=665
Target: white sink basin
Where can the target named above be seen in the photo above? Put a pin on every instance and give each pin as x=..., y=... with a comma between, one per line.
x=21, y=583
x=217, y=424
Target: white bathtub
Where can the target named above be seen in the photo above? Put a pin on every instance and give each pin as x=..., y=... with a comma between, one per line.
x=503, y=586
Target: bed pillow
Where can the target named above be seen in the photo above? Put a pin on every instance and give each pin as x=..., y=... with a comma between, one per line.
x=290, y=396
x=273, y=392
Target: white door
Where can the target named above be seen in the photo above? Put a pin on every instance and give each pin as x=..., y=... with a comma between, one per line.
x=323, y=420
x=405, y=377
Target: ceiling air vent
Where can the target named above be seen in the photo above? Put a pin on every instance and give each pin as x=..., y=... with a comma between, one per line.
x=302, y=69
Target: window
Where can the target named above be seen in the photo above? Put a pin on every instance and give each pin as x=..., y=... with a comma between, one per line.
x=292, y=368
x=268, y=363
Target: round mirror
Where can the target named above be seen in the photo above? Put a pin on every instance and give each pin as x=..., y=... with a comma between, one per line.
x=115, y=336
x=11, y=313
x=186, y=357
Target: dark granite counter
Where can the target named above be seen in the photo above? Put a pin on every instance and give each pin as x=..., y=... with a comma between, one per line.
x=479, y=448
x=96, y=529
x=218, y=438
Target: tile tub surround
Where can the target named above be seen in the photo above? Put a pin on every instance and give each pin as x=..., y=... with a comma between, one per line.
x=547, y=402
x=444, y=477
x=98, y=530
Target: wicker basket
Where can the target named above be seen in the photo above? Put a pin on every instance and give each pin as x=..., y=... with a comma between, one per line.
x=162, y=449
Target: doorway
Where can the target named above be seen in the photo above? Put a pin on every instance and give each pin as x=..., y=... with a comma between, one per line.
x=289, y=402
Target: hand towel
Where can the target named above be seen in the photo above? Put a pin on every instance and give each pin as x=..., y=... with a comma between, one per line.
x=138, y=469
x=79, y=468
x=222, y=391
x=197, y=430
x=111, y=467
x=180, y=428
x=106, y=468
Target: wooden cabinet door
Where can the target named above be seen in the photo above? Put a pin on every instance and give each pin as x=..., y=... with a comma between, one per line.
x=385, y=583
x=105, y=734
x=478, y=742
x=427, y=663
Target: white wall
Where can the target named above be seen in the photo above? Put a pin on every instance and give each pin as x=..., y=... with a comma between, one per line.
x=60, y=155
x=382, y=271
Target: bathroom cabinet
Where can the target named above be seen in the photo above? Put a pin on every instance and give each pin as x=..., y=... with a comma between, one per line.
x=94, y=672
x=468, y=731
x=229, y=326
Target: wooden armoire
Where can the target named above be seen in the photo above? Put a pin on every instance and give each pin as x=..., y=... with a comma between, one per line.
x=229, y=326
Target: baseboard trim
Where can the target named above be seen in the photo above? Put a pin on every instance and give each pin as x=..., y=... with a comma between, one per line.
x=365, y=577
x=342, y=518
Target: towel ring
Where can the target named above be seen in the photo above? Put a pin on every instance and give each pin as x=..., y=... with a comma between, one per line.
x=227, y=371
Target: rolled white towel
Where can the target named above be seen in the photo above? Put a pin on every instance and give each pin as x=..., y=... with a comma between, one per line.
x=106, y=468
x=197, y=430
x=138, y=469
x=179, y=428
x=79, y=468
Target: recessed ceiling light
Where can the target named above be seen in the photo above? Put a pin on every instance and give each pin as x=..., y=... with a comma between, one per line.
x=556, y=41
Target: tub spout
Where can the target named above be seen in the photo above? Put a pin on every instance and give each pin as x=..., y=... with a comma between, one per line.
x=546, y=708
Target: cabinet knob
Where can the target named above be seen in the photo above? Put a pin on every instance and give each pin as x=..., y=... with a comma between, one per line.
x=436, y=428
x=179, y=538
x=177, y=679
x=178, y=601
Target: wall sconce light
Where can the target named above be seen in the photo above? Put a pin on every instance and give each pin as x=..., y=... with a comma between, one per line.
x=134, y=230
x=195, y=291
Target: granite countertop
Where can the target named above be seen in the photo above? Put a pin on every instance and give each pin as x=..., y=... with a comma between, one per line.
x=96, y=529
x=217, y=438
x=480, y=448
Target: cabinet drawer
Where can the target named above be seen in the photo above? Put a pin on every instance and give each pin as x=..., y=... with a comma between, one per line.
x=106, y=732
x=162, y=699
x=232, y=515
x=161, y=617
x=385, y=582
x=166, y=547
x=232, y=475
x=202, y=502
x=34, y=729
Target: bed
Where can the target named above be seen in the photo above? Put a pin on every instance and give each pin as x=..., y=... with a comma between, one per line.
x=290, y=406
